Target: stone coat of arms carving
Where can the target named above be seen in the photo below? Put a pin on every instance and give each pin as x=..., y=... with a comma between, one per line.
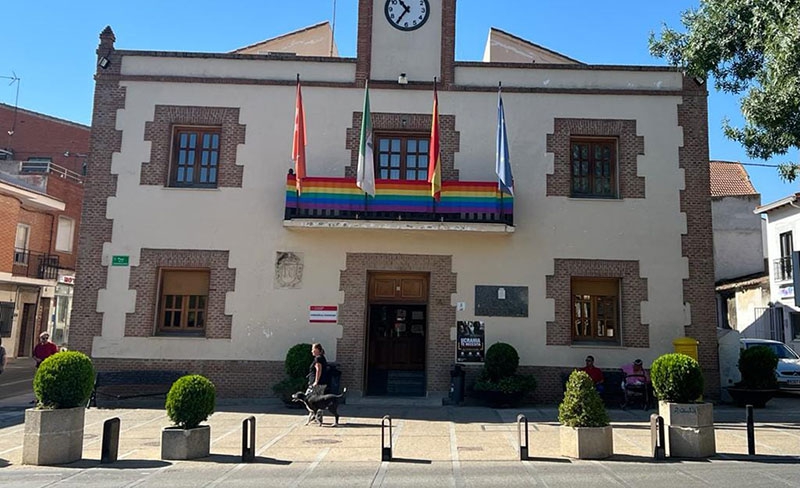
x=288, y=270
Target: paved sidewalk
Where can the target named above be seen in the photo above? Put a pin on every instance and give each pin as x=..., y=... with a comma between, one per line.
x=432, y=446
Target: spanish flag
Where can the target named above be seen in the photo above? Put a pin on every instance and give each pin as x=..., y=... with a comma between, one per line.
x=435, y=157
x=299, y=140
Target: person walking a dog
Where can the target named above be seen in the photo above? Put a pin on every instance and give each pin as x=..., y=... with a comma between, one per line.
x=318, y=371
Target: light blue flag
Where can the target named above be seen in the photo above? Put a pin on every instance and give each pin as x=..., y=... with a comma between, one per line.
x=505, y=180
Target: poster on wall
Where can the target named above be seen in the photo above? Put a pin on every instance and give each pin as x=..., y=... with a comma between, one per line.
x=470, y=341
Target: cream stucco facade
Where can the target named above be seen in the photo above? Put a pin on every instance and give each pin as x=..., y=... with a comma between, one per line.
x=248, y=221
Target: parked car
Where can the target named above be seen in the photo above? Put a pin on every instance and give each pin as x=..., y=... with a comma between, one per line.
x=788, y=370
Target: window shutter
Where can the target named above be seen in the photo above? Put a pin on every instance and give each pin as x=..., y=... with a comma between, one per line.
x=185, y=282
x=66, y=228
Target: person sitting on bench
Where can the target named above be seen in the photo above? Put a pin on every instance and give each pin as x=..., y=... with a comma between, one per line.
x=594, y=373
x=636, y=383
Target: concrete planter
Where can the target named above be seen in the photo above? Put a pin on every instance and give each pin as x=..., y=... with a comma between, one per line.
x=689, y=429
x=53, y=436
x=587, y=442
x=177, y=443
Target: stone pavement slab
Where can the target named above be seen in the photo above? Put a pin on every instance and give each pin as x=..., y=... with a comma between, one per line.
x=432, y=446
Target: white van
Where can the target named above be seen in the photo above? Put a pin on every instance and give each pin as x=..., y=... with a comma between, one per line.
x=788, y=370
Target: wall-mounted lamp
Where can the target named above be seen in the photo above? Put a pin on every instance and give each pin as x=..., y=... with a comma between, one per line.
x=402, y=79
x=103, y=62
x=501, y=293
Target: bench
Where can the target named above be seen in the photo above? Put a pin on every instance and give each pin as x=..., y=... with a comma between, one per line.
x=613, y=396
x=122, y=385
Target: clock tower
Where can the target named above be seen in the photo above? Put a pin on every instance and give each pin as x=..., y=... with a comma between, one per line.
x=415, y=37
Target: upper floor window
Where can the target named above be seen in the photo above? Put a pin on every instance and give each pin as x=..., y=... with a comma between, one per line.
x=595, y=309
x=402, y=157
x=195, y=157
x=183, y=302
x=21, y=242
x=594, y=168
x=783, y=265
x=65, y=234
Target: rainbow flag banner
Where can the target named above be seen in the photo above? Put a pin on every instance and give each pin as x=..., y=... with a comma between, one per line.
x=340, y=198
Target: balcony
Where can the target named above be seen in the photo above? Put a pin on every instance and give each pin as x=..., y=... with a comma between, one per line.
x=464, y=205
x=37, y=265
x=782, y=269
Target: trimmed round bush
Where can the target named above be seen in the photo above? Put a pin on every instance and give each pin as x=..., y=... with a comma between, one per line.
x=501, y=361
x=582, y=405
x=191, y=400
x=677, y=378
x=64, y=380
x=298, y=358
x=757, y=365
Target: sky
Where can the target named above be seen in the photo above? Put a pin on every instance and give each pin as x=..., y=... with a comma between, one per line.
x=51, y=45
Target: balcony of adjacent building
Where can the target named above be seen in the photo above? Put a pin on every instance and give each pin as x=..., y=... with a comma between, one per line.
x=782, y=269
x=35, y=265
x=338, y=203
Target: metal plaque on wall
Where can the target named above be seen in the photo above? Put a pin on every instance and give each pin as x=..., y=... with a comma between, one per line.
x=501, y=301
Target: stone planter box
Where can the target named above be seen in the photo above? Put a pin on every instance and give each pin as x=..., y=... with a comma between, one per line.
x=587, y=442
x=53, y=436
x=177, y=443
x=689, y=429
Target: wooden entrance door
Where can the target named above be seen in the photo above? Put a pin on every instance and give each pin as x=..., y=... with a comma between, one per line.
x=396, y=334
x=27, y=329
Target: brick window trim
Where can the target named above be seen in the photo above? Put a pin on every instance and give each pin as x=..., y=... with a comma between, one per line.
x=449, y=137
x=144, y=278
x=160, y=132
x=629, y=146
x=632, y=291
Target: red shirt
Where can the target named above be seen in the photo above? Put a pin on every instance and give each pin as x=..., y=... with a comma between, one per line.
x=594, y=373
x=44, y=351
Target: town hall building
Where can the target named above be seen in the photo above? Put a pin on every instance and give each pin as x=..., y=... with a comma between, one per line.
x=206, y=249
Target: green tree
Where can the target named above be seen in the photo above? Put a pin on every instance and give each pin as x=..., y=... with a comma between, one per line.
x=750, y=47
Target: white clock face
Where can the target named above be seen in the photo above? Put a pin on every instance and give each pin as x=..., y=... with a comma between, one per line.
x=407, y=15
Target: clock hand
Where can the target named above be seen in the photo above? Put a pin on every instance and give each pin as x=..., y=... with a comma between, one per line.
x=407, y=9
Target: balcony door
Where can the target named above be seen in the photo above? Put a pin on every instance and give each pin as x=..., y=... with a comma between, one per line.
x=397, y=326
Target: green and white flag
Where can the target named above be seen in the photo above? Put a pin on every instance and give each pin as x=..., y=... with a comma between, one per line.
x=365, y=178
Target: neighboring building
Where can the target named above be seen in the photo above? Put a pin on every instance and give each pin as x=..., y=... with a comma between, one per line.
x=783, y=222
x=316, y=40
x=741, y=279
x=30, y=136
x=40, y=211
x=200, y=255
x=502, y=47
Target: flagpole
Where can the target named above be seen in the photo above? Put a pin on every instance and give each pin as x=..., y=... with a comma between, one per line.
x=502, y=206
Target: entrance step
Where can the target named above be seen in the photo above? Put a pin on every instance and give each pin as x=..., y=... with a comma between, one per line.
x=432, y=400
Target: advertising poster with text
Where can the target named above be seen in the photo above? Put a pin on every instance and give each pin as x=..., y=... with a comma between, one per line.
x=470, y=341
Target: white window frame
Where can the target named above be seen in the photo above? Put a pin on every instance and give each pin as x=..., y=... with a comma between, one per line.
x=21, y=253
x=64, y=241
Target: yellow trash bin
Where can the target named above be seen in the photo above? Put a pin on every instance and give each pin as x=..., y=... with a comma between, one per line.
x=686, y=345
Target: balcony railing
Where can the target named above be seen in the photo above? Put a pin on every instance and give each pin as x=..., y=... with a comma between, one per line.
x=782, y=269
x=35, y=265
x=340, y=198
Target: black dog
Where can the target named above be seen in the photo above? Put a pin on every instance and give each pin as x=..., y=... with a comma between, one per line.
x=316, y=404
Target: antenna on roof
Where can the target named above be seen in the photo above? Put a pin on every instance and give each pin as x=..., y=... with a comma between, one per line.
x=333, y=26
x=14, y=79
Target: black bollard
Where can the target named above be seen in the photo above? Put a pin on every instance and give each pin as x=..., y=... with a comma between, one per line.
x=657, y=437
x=249, y=441
x=110, y=447
x=523, y=448
x=386, y=452
x=751, y=432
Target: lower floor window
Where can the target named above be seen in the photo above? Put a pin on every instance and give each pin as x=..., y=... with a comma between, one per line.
x=595, y=309
x=183, y=301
